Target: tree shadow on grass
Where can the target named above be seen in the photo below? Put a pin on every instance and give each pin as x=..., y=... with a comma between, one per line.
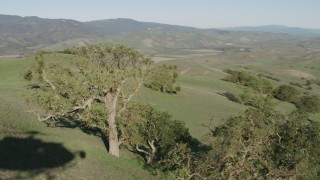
x=33, y=155
x=70, y=122
x=230, y=97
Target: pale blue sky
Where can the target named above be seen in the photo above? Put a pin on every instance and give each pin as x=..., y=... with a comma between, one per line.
x=197, y=13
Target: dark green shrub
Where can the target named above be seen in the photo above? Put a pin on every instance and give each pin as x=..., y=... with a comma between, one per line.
x=286, y=93
x=310, y=104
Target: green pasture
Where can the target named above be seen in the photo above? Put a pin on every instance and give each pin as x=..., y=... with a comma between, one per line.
x=19, y=125
x=203, y=98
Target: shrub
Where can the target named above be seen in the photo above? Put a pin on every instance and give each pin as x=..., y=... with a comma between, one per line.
x=310, y=104
x=286, y=93
x=296, y=84
x=261, y=86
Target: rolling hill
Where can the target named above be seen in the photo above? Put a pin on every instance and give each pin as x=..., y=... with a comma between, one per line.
x=295, y=31
x=124, y=25
x=201, y=55
x=24, y=34
x=20, y=35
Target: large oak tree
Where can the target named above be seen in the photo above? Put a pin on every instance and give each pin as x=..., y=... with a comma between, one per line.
x=93, y=86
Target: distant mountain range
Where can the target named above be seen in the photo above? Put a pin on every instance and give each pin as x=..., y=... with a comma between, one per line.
x=296, y=31
x=19, y=35
x=123, y=25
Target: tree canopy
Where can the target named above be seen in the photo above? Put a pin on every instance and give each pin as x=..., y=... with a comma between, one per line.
x=286, y=93
x=259, y=144
x=92, y=86
x=163, y=78
x=261, y=86
x=152, y=132
x=310, y=104
x=264, y=143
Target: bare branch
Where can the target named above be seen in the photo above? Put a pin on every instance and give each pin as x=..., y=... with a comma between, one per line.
x=87, y=103
x=44, y=76
x=279, y=138
x=153, y=147
x=81, y=107
x=196, y=174
x=141, y=150
x=44, y=119
x=124, y=106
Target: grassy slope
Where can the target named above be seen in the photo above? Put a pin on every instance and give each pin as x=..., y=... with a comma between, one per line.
x=199, y=101
x=16, y=122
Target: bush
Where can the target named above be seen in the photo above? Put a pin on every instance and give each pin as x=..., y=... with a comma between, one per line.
x=245, y=79
x=150, y=132
x=309, y=88
x=310, y=104
x=308, y=83
x=163, y=78
x=286, y=93
x=296, y=84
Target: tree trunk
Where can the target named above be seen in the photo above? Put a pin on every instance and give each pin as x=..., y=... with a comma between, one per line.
x=153, y=152
x=150, y=159
x=111, y=105
x=113, y=135
x=149, y=156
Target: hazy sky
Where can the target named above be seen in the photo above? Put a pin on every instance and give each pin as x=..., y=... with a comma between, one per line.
x=197, y=13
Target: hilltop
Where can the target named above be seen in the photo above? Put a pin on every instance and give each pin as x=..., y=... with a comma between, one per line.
x=295, y=31
x=24, y=34
x=20, y=35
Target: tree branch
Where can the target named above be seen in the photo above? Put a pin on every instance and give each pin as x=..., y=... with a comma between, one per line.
x=124, y=106
x=44, y=76
x=141, y=150
x=153, y=147
x=44, y=119
x=196, y=174
x=87, y=103
x=279, y=138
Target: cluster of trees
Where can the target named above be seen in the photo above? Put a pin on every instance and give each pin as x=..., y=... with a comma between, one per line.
x=261, y=143
x=260, y=85
x=310, y=104
x=96, y=90
x=257, y=92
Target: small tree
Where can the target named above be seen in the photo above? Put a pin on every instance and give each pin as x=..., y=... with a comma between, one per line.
x=93, y=87
x=238, y=77
x=163, y=78
x=250, y=97
x=286, y=93
x=182, y=163
x=259, y=85
x=150, y=132
x=310, y=104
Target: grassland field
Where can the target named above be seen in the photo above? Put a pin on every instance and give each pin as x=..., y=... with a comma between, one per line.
x=201, y=99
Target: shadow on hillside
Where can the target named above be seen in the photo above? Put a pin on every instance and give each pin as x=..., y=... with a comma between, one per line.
x=33, y=155
x=230, y=97
x=69, y=122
